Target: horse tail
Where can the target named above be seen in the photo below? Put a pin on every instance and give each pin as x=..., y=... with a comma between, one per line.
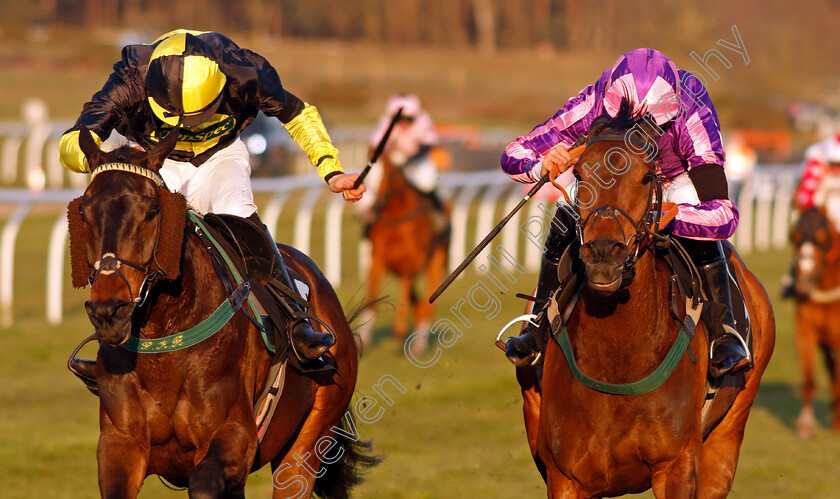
x=359, y=315
x=340, y=477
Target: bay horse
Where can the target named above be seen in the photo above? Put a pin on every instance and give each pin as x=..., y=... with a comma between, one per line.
x=588, y=442
x=188, y=415
x=406, y=243
x=817, y=293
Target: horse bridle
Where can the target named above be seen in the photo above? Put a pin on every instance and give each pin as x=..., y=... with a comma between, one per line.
x=110, y=263
x=645, y=229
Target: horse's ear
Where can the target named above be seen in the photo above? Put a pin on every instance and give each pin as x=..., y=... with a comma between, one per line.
x=93, y=153
x=173, y=213
x=79, y=267
x=161, y=151
x=598, y=125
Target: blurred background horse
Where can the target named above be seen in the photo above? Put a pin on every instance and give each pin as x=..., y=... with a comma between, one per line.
x=409, y=237
x=817, y=294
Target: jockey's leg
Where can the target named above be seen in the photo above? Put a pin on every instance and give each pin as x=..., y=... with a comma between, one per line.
x=788, y=281
x=308, y=343
x=522, y=350
x=422, y=173
x=728, y=351
x=85, y=370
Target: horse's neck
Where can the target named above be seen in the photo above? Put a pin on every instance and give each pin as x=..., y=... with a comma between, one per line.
x=830, y=278
x=395, y=192
x=177, y=308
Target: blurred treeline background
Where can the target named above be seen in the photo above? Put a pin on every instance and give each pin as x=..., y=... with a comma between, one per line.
x=508, y=63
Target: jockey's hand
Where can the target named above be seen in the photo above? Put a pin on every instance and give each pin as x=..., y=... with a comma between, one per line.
x=343, y=183
x=557, y=158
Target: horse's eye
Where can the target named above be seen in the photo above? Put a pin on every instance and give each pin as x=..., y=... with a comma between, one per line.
x=647, y=178
x=82, y=214
x=153, y=212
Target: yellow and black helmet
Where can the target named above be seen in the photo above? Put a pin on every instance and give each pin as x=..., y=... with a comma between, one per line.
x=184, y=82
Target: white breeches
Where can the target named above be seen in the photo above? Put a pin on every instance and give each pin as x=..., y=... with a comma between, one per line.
x=222, y=184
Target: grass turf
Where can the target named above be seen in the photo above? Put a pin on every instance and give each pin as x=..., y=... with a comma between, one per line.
x=457, y=430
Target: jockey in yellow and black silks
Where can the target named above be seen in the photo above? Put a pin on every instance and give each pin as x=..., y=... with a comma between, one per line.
x=213, y=89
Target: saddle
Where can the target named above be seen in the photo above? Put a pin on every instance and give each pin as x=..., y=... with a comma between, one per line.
x=430, y=202
x=686, y=288
x=239, y=252
x=244, y=246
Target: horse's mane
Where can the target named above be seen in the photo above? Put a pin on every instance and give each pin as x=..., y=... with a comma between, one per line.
x=625, y=119
x=127, y=153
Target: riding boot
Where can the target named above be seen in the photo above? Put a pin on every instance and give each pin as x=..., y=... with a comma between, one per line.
x=85, y=370
x=729, y=353
x=788, y=282
x=306, y=342
x=522, y=350
x=440, y=220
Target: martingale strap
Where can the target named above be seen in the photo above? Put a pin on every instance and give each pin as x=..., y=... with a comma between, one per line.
x=196, y=334
x=212, y=324
x=655, y=379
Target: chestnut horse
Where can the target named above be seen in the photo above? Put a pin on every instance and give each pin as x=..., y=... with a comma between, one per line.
x=188, y=415
x=406, y=243
x=591, y=443
x=817, y=292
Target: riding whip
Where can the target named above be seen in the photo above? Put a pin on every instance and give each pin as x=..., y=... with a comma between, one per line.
x=498, y=228
x=379, y=148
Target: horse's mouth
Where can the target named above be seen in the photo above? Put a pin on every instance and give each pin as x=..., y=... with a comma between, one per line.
x=605, y=277
x=112, y=323
x=605, y=287
x=113, y=336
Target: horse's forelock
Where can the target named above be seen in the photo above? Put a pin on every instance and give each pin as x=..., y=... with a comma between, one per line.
x=127, y=154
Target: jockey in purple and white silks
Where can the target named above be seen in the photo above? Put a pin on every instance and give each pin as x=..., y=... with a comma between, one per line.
x=690, y=148
x=690, y=158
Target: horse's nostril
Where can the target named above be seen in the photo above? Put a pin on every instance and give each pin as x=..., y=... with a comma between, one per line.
x=111, y=309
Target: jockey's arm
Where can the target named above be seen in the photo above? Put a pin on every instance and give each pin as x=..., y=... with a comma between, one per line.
x=307, y=129
x=524, y=159
x=304, y=124
x=100, y=116
x=715, y=217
